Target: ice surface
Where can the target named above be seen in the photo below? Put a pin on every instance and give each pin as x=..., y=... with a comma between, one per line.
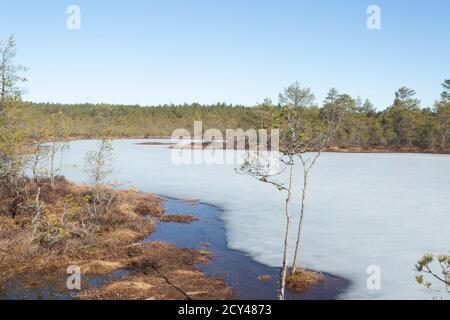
x=362, y=209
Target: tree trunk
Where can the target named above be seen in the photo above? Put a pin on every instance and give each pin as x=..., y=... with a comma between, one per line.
x=300, y=224
x=284, y=268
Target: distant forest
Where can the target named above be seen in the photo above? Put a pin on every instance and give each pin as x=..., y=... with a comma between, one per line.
x=403, y=126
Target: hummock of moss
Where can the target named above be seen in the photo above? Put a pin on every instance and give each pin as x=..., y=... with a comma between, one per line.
x=302, y=280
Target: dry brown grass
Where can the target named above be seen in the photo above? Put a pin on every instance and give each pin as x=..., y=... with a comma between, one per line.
x=122, y=235
x=100, y=242
x=149, y=205
x=159, y=270
x=303, y=279
x=77, y=234
x=126, y=210
x=178, y=218
x=96, y=267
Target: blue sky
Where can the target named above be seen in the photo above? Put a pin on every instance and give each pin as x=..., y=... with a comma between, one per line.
x=236, y=51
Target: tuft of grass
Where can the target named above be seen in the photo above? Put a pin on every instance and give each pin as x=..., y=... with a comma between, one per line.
x=178, y=218
x=125, y=210
x=123, y=235
x=303, y=280
x=129, y=285
x=100, y=267
x=149, y=205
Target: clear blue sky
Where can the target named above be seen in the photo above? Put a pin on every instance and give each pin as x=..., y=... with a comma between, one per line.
x=237, y=51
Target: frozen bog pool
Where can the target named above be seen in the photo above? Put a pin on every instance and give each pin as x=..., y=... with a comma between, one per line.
x=362, y=210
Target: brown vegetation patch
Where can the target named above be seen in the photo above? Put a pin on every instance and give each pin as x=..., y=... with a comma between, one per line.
x=159, y=270
x=149, y=205
x=178, y=218
x=385, y=149
x=302, y=280
x=123, y=235
x=129, y=289
x=68, y=229
x=191, y=201
x=100, y=267
x=126, y=210
x=37, y=245
x=217, y=145
x=155, y=143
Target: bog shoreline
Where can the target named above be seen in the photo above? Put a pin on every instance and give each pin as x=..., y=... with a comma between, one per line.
x=331, y=149
x=246, y=278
